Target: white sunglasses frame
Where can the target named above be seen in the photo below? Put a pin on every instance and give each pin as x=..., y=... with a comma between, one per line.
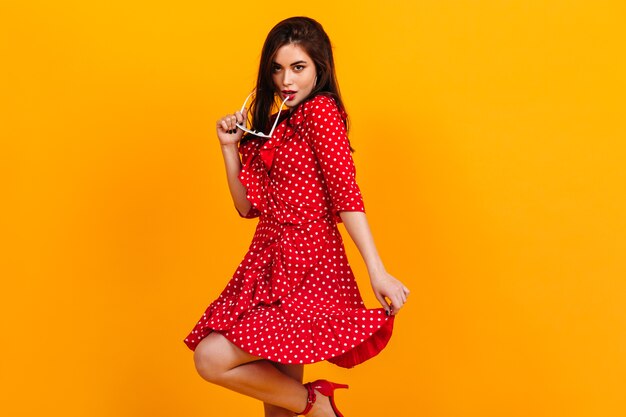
x=254, y=132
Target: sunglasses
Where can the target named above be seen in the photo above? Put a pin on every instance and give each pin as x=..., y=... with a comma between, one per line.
x=257, y=133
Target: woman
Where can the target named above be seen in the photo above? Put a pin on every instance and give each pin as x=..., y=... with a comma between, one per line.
x=293, y=300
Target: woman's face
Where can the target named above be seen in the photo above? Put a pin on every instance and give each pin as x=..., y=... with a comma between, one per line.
x=294, y=74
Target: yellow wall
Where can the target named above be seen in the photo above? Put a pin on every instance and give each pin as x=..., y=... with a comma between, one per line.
x=490, y=151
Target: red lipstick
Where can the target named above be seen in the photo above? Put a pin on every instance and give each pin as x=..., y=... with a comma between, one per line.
x=289, y=93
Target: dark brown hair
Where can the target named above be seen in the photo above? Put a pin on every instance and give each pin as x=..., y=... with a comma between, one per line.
x=310, y=35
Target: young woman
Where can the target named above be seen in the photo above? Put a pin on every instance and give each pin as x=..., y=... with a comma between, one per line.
x=293, y=300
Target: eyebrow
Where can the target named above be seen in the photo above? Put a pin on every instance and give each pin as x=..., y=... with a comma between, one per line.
x=292, y=64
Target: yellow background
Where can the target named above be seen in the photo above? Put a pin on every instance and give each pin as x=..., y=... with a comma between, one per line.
x=490, y=151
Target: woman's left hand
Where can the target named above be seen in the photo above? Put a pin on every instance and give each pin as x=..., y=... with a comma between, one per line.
x=390, y=292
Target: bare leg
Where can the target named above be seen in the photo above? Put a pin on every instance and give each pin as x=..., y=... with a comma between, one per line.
x=221, y=362
x=294, y=371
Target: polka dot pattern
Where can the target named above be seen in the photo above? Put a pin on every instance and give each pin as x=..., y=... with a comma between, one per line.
x=294, y=299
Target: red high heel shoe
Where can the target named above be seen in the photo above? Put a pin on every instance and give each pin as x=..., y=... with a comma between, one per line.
x=325, y=388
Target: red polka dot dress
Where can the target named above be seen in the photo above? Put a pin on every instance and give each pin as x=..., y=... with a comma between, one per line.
x=294, y=299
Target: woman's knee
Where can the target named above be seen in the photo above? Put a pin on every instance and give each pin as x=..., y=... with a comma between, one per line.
x=209, y=357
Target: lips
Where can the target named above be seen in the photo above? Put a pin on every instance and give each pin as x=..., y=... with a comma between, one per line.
x=289, y=93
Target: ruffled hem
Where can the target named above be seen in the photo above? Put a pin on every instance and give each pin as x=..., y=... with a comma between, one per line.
x=366, y=350
x=345, y=338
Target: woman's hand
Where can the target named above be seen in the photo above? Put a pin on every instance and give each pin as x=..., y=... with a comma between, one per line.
x=227, y=132
x=391, y=293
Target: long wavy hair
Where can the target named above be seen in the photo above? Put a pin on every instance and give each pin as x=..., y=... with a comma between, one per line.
x=309, y=35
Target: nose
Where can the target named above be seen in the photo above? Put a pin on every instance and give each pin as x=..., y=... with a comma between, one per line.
x=287, y=78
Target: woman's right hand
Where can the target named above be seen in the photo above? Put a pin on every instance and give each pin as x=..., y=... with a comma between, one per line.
x=227, y=132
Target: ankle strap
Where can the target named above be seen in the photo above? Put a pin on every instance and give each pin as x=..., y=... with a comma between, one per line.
x=310, y=399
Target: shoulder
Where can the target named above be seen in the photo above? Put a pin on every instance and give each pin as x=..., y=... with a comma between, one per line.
x=248, y=145
x=321, y=103
x=323, y=108
x=249, y=141
x=324, y=99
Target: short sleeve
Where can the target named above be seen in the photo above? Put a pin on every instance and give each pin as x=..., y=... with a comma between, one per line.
x=326, y=133
x=251, y=214
x=246, y=150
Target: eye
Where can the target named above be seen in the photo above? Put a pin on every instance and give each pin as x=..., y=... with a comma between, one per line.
x=298, y=68
x=276, y=68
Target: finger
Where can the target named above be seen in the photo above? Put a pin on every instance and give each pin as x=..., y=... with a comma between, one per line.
x=244, y=116
x=396, y=303
x=239, y=117
x=383, y=303
x=230, y=122
x=224, y=125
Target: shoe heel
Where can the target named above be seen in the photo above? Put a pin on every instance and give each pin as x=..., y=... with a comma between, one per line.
x=337, y=386
x=326, y=387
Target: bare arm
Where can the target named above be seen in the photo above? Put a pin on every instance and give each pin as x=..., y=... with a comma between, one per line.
x=337, y=166
x=229, y=136
x=232, y=164
x=384, y=285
